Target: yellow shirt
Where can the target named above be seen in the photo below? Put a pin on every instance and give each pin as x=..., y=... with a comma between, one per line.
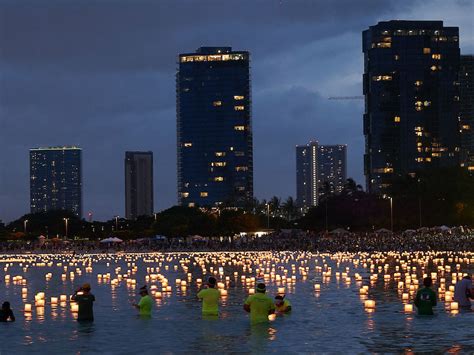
x=260, y=306
x=284, y=307
x=210, y=301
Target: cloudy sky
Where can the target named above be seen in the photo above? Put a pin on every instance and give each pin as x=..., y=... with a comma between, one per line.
x=101, y=74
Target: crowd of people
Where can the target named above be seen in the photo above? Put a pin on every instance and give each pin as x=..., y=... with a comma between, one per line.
x=457, y=239
x=259, y=305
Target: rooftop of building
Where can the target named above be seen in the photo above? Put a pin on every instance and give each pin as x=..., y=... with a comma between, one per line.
x=65, y=147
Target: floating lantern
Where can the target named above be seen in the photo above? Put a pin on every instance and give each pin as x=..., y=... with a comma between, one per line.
x=27, y=307
x=454, y=306
x=74, y=308
x=317, y=287
x=370, y=304
x=408, y=308
x=251, y=291
x=223, y=293
x=271, y=317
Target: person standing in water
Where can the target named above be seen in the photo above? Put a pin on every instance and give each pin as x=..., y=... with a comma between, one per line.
x=425, y=298
x=282, y=305
x=85, y=300
x=210, y=298
x=259, y=305
x=463, y=292
x=145, y=304
x=6, y=313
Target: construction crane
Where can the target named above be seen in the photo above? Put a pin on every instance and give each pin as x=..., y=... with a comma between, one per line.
x=346, y=98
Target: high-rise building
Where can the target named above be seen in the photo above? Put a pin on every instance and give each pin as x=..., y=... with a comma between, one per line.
x=138, y=184
x=332, y=167
x=307, y=185
x=412, y=98
x=215, y=157
x=56, y=179
x=466, y=114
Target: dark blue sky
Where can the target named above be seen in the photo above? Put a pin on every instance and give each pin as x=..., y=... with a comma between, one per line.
x=101, y=74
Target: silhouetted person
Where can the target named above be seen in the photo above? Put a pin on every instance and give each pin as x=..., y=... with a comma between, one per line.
x=463, y=291
x=145, y=304
x=85, y=301
x=425, y=298
x=6, y=313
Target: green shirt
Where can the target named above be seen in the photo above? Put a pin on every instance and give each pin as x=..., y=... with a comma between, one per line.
x=210, y=301
x=85, y=304
x=145, y=305
x=425, y=300
x=260, y=306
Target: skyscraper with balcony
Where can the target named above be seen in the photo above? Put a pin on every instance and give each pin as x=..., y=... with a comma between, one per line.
x=138, y=184
x=466, y=115
x=56, y=179
x=307, y=179
x=214, y=128
x=411, y=89
x=332, y=168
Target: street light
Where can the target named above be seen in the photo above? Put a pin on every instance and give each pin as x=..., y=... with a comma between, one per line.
x=116, y=222
x=391, y=213
x=268, y=215
x=24, y=225
x=66, y=220
x=155, y=214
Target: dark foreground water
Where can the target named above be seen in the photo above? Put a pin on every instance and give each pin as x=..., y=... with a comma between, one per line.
x=333, y=320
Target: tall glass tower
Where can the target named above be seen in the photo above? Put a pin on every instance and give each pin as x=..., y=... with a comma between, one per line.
x=411, y=89
x=138, y=184
x=307, y=181
x=466, y=81
x=214, y=128
x=332, y=167
x=56, y=179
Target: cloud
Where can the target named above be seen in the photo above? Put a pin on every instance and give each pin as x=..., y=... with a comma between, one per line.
x=101, y=74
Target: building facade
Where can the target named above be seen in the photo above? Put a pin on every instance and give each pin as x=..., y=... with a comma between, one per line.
x=332, y=168
x=307, y=181
x=466, y=115
x=56, y=179
x=214, y=128
x=138, y=184
x=411, y=89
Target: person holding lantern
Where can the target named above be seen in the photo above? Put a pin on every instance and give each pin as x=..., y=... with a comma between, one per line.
x=210, y=298
x=145, y=304
x=6, y=313
x=259, y=305
x=85, y=301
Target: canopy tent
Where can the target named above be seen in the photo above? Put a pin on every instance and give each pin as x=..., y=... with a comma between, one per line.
x=111, y=240
x=444, y=228
x=382, y=231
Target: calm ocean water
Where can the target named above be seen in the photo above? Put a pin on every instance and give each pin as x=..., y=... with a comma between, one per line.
x=333, y=320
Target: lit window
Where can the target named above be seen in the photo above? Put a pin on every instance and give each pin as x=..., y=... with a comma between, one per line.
x=184, y=194
x=419, y=160
x=217, y=103
x=396, y=119
x=396, y=57
x=240, y=188
x=220, y=154
x=187, y=145
x=239, y=154
x=436, y=56
x=218, y=178
x=426, y=50
x=382, y=45
x=434, y=68
x=238, y=97
x=427, y=103
x=191, y=204
x=382, y=78
x=239, y=128
x=219, y=163
x=418, y=83
x=203, y=194
x=466, y=127
x=241, y=168
x=239, y=108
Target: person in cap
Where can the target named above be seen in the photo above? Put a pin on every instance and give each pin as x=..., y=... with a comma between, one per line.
x=145, y=304
x=6, y=313
x=210, y=298
x=85, y=301
x=282, y=305
x=463, y=292
x=259, y=305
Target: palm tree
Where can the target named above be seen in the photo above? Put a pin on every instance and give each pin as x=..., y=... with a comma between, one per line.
x=289, y=208
x=275, y=204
